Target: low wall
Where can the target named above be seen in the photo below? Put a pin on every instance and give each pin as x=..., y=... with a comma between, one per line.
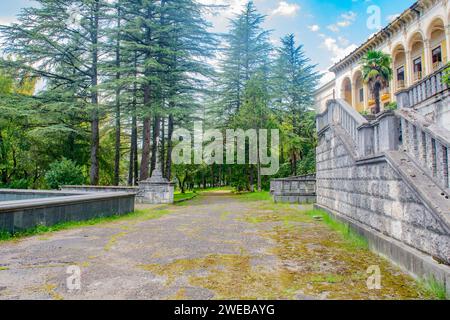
x=26, y=214
x=109, y=189
x=17, y=195
x=294, y=189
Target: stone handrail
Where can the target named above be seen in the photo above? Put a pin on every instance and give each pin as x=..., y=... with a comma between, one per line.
x=340, y=112
x=422, y=90
x=427, y=144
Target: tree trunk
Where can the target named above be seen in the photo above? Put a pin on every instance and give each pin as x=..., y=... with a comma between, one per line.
x=169, y=148
x=95, y=134
x=4, y=171
x=163, y=146
x=377, y=89
x=118, y=111
x=145, y=150
x=156, y=132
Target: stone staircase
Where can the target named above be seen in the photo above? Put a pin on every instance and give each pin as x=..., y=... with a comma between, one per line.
x=389, y=179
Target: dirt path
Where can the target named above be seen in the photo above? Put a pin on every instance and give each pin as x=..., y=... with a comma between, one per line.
x=217, y=246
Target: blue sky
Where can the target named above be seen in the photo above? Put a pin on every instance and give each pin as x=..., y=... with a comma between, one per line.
x=327, y=29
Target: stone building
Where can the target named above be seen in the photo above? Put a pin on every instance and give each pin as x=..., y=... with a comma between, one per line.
x=388, y=175
x=419, y=43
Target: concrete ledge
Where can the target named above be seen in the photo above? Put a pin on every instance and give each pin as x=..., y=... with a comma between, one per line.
x=26, y=214
x=414, y=262
x=134, y=190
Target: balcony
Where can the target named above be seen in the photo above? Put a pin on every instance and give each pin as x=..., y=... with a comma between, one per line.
x=422, y=90
x=417, y=76
x=401, y=84
x=437, y=65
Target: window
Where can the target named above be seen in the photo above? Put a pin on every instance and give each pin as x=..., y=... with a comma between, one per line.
x=437, y=57
x=417, y=69
x=418, y=65
x=361, y=95
x=401, y=73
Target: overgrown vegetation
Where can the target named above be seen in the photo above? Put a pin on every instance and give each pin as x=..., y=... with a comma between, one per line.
x=343, y=228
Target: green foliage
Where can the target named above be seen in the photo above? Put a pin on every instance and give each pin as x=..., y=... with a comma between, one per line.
x=64, y=172
x=434, y=287
x=377, y=72
x=353, y=238
x=446, y=76
x=391, y=106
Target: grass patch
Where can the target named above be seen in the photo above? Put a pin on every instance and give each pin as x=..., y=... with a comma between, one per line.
x=344, y=229
x=434, y=288
x=180, y=197
x=41, y=230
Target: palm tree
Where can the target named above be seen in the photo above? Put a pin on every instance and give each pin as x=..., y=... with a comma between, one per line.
x=377, y=72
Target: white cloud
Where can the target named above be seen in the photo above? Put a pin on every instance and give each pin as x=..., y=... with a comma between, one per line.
x=7, y=20
x=286, y=9
x=338, y=50
x=347, y=20
x=314, y=28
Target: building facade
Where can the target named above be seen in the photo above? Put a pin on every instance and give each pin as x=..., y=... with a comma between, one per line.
x=418, y=42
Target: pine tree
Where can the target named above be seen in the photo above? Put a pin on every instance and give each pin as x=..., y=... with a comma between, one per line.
x=246, y=53
x=58, y=41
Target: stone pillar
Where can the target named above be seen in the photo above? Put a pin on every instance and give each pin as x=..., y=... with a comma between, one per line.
x=388, y=132
x=354, y=96
x=409, y=79
x=366, y=140
x=403, y=99
x=428, y=59
x=157, y=189
x=366, y=97
x=447, y=42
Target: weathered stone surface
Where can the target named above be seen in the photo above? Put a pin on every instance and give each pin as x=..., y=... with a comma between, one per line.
x=375, y=195
x=62, y=207
x=294, y=189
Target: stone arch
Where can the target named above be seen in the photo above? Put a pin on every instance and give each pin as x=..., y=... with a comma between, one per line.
x=438, y=43
x=416, y=45
x=346, y=90
x=358, y=85
x=400, y=66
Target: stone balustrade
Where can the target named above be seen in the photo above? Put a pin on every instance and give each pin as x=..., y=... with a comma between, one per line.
x=423, y=90
x=427, y=144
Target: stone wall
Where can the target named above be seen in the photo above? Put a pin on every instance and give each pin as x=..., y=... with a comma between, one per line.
x=26, y=214
x=371, y=192
x=294, y=189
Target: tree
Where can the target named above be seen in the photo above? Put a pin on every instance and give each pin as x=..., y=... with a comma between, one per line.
x=246, y=52
x=255, y=114
x=293, y=82
x=377, y=72
x=59, y=41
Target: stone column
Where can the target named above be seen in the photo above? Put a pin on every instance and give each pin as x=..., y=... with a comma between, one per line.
x=428, y=59
x=388, y=132
x=447, y=41
x=366, y=97
x=409, y=79
x=354, y=95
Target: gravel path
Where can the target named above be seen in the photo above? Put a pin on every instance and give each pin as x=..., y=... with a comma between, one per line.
x=215, y=246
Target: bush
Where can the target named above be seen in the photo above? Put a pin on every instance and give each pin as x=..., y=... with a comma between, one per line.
x=64, y=172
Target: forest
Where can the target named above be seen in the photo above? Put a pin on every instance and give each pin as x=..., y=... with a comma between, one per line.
x=87, y=86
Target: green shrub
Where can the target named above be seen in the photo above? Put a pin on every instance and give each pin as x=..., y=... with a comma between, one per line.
x=391, y=106
x=64, y=172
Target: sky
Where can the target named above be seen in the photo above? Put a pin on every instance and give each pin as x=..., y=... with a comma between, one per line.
x=328, y=29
